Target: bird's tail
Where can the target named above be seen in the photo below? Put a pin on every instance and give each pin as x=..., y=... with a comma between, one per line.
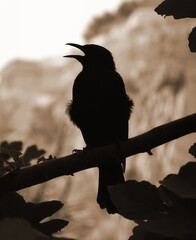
x=110, y=174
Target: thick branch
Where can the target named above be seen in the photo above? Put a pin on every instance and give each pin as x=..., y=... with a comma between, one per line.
x=82, y=160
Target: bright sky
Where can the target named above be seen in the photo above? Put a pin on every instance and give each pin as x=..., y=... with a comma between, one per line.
x=36, y=29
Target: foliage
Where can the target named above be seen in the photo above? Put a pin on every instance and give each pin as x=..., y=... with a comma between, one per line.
x=11, y=157
x=164, y=212
x=13, y=205
x=192, y=40
x=177, y=8
x=180, y=9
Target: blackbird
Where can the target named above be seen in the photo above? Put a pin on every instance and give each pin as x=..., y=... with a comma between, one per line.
x=100, y=108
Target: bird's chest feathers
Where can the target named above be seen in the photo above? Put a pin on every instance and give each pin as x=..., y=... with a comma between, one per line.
x=90, y=87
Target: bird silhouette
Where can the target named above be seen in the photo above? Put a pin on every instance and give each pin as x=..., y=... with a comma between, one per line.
x=100, y=108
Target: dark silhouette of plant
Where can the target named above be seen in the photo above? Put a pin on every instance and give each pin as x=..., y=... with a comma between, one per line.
x=167, y=212
x=164, y=212
x=11, y=157
x=180, y=9
x=13, y=205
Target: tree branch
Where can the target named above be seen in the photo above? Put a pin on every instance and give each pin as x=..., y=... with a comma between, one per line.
x=85, y=159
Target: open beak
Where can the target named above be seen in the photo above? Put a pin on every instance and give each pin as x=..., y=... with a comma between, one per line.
x=75, y=45
x=78, y=57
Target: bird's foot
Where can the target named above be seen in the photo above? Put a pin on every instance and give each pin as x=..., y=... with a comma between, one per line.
x=120, y=154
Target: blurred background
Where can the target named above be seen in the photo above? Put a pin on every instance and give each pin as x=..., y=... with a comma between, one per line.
x=152, y=56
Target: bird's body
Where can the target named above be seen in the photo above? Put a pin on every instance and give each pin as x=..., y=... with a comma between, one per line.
x=101, y=109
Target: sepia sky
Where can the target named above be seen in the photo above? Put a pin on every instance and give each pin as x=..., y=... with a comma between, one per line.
x=39, y=29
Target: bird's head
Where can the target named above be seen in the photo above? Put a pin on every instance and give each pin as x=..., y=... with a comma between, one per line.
x=95, y=56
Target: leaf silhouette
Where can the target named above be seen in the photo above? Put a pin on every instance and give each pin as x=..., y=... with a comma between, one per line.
x=17, y=145
x=39, y=211
x=140, y=233
x=192, y=40
x=176, y=204
x=177, y=8
x=184, y=183
x=8, y=150
x=175, y=226
x=136, y=200
x=192, y=149
x=31, y=153
x=52, y=226
x=13, y=205
x=11, y=153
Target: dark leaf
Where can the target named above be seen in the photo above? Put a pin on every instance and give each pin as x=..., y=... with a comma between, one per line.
x=10, y=152
x=173, y=226
x=39, y=211
x=176, y=204
x=184, y=183
x=140, y=233
x=15, y=146
x=179, y=186
x=188, y=172
x=31, y=153
x=136, y=200
x=4, y=144
x=177, y=8
x=52, y=226
x=3, y=158
x=8, y=165
x=12, y=205
x=192, y=149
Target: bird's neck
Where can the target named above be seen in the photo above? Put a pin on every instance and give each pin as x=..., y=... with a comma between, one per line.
x=98, y=68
